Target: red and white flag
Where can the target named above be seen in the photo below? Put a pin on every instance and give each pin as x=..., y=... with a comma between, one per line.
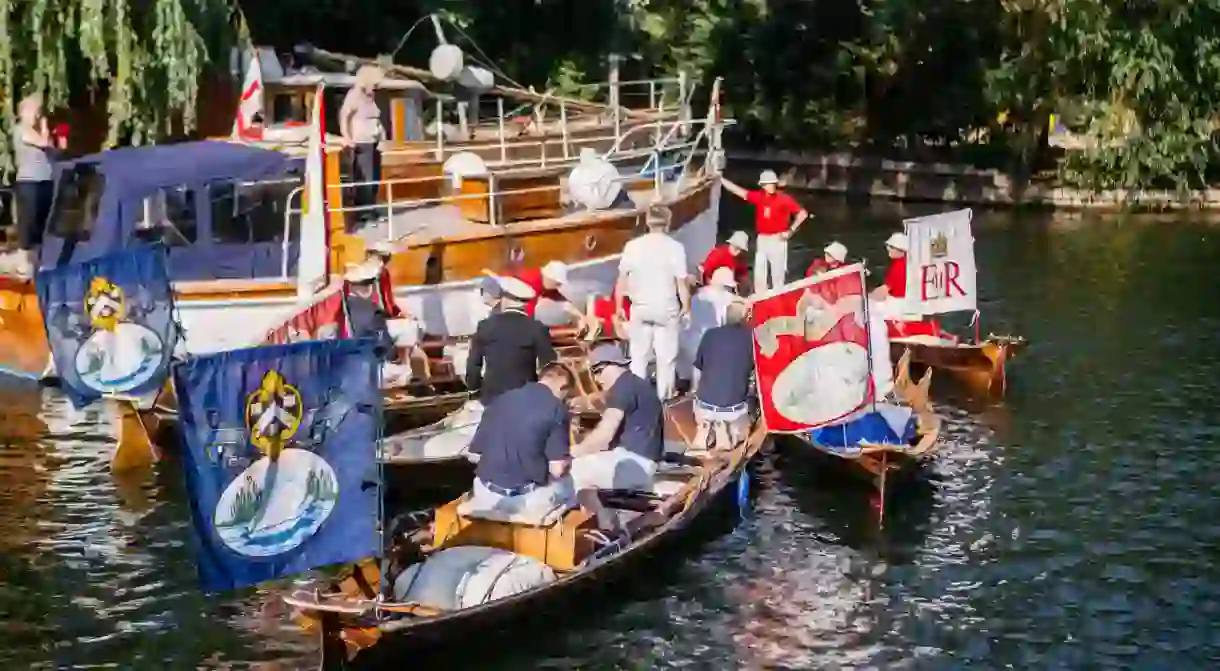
x=325, y=319
x=811, y=350
x=251, y=103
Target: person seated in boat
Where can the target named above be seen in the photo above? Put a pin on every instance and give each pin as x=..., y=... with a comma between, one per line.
x=889, y=298
x=602, y=319
x=369, y=320
x=730, y=255
x=407, y=332
x=724, y=369
x=707, y=311
x=548, y=283
x=513, y=345
x=622, y=451
x=833, y=256
x=523, y=443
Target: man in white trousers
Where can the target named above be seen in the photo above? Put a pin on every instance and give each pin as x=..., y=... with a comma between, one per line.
x=653, y=274
x=773, y=209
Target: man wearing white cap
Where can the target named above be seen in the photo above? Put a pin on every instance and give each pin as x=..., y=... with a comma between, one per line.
x=514, y=345
x=833, y=256
x=890, y=298
x=547, y=283
x=773, y=209
x=653, y=275
x=728, y=255
x=708, y=309
x=368, y=320
x=407, y=332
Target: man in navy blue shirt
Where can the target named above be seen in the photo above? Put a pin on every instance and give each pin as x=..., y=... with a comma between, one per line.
x=622, y=451
x=724, y=370
x=513, y=344
x=523, y=442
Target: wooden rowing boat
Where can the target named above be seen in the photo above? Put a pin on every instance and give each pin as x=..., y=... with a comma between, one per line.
x=981, y=366
x=360, y=630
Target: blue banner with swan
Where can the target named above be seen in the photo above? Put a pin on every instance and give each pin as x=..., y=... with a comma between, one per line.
x=110, y=324
x=281, y=458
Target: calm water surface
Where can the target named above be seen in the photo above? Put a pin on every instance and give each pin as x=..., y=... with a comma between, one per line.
x=1074, y=526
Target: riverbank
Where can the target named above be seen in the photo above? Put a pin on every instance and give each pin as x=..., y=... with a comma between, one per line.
x=952, y=183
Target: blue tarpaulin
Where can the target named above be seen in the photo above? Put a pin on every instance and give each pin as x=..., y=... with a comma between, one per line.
x=281, y=458
x=110, y=324
x=871, y=427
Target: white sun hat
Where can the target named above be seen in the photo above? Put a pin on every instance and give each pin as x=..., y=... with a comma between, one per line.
x=723, y=277
x=836, y=251
x=898, y=241
x=556, y=270
x=383, y=248
x=740, y=240
x=363, y=272
x=768, y=177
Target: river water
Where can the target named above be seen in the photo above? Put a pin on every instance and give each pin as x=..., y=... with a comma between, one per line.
x=1073, y=525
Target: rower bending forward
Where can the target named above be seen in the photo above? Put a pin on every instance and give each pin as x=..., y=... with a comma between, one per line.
x=772, y=211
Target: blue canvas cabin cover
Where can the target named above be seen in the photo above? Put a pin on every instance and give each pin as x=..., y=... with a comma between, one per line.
x=871, y=427
x=214, y=233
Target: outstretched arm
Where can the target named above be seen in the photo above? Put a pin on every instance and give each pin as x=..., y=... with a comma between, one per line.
x=734, y=188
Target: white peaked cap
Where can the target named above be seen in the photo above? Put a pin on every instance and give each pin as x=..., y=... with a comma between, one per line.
x=768, y=177
x=363, y=272
x=898, y=241
x=740, y=240
x=384, y=248
x=836, y=251
x=556, y=270
x=723, y=277
x=512, y=287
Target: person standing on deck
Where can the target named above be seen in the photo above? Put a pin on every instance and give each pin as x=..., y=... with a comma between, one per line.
x=652, y=272
x=514, y=345
x=833, y=256
x=724, y=369
x=889, y=298
x=368, y=319
x=524, y=446
x=773, y=209
x=548, y=283
x=407, y=332
x=361, y=128
x=728, y=255
x=34, y=190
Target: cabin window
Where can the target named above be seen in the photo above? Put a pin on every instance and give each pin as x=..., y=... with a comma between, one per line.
x=170, y=217
x=247, y=213
x=77, y=196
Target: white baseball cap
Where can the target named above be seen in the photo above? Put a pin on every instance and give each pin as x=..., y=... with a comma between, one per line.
x=723, y=277
x=556, y=270
x=740, y=240
x=768, y=177
x=898, y=241
x=836, y=251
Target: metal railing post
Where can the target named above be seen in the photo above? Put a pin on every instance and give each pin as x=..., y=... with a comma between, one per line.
x=440, y=130
x=389, y=207
x=656, y=175
x=500, y=113
x=542, y=148
x=493, y=199
x=563, y=126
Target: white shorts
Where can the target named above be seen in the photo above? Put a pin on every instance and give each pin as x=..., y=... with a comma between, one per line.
x=405, y=332
x=618, y=468
x=537, y=503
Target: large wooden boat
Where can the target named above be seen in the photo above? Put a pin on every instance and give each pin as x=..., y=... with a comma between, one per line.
x=360, y=629
x=981, y=366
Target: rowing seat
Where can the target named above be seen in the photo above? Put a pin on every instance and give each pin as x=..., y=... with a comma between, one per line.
x=550, y=536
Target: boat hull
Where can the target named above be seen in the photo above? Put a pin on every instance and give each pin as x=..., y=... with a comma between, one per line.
x=980, y=367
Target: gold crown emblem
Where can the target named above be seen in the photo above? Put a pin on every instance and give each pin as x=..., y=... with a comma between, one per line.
x=273, y=414
x=939, y=246
x=104, y=303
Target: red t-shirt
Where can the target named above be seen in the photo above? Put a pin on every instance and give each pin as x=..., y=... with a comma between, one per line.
x=603, y=309
x=896, y=277
x=722, y=257
x=533, y=277
x=772, y=211
x=821, y=266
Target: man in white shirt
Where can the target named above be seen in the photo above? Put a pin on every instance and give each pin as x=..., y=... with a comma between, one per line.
x=708, y=308
x=652, y=273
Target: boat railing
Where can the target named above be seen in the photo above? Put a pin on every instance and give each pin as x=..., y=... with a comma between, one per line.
x=661, y=109
x=657, y=169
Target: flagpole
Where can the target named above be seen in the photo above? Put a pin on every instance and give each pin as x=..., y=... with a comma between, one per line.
x=868, y=334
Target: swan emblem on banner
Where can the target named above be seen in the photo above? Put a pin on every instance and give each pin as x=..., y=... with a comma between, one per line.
x=119, y=354
x=283, y=498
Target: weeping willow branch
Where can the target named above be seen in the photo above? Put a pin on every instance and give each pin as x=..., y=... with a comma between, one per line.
x=146, y=56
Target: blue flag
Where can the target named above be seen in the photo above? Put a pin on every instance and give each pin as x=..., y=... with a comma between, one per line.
x=110, y=324
x=281, y=458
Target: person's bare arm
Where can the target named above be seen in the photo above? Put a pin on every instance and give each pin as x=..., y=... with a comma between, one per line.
x=620, y=293
x=734, y=188
x=880, y=293
x=684, y=295
x=801, y=217
x=558, y=468
x=599, y=438
x=346, y=112
x=38, y=137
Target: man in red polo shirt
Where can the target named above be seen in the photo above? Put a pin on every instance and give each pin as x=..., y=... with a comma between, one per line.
x=547, y=283
x=889, y=296
x=833, y=256
x=601, y=322
x=773, y=209
x=728, y=255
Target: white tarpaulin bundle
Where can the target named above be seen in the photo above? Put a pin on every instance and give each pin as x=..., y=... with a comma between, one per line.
x=940, y=264
x=466, y=576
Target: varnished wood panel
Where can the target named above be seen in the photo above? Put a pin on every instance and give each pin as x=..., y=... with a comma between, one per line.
x=524, y=196
x=23, y=341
